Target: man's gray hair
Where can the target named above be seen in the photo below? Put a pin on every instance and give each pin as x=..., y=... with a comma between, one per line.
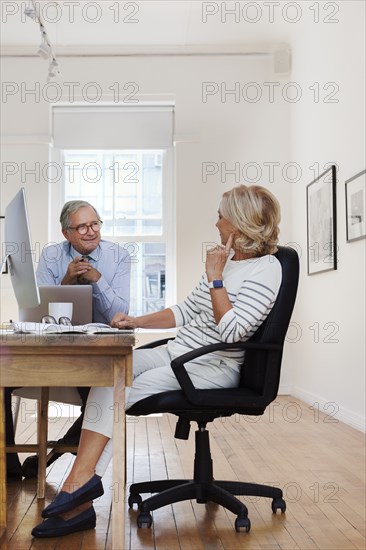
x=70, y=208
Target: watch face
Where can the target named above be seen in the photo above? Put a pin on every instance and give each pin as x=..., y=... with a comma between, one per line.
x=217, y=284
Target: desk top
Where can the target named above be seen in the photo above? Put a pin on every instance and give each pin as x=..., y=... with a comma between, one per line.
x=64, y=359
x=67, y=344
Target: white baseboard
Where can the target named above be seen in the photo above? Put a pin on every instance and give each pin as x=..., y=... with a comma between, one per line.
x=355, y=420
x=284, y=389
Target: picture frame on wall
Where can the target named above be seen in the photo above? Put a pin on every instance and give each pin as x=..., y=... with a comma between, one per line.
x=356, y=207
x=321, y=209
x=4, y=270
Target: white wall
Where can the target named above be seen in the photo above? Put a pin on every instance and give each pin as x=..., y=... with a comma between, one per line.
x=333, y=371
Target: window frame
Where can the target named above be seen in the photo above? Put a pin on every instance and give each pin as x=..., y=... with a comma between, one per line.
x=168, y=236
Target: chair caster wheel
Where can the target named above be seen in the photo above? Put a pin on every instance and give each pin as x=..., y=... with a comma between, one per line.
x=242, y=523
x=144, y=518
x=134, y=499
x=278, y=504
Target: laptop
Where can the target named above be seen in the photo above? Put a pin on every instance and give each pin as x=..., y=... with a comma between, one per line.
x=80, y=295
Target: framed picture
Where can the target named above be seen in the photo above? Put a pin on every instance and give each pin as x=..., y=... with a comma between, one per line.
x=5, y=266
x=356, y=207
x=322, y=222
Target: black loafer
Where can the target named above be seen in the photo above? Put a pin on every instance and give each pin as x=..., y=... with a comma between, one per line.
x=14, y=474
x=68, y=501
x=30, y=465
x=14, y=470
x=58, y=527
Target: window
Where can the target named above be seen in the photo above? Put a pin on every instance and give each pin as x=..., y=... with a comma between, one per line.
x=131, y=190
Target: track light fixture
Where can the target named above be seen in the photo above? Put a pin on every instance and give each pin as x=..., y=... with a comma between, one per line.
x=45, y=49
x=53, y=70
x=30, y=11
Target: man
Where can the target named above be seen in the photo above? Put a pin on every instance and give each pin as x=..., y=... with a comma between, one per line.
x=84, y=258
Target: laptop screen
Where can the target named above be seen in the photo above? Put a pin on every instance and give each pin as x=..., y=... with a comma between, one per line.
x=81, y=297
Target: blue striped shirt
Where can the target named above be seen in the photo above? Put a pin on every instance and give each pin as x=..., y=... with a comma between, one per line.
x=111, y=293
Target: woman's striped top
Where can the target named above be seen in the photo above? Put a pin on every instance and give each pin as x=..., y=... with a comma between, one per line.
x=252, y=286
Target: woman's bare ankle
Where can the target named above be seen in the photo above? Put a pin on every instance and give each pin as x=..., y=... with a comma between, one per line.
x=76, y=479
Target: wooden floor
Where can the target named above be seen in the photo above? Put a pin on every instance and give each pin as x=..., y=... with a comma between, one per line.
x=318, y=462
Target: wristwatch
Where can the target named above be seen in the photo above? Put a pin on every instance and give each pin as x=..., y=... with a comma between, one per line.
x=217, y=283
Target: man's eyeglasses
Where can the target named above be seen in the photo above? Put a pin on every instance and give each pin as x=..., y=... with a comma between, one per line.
x=84, y=227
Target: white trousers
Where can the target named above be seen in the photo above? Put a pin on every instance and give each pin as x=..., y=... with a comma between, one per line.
x=152, y=374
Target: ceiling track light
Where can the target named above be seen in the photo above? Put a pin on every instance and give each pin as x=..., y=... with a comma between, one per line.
x=53, y=70
x=54, y=65
x=30, y=11
x=45, y=49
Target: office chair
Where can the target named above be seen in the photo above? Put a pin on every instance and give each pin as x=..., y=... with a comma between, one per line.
x=258, y=387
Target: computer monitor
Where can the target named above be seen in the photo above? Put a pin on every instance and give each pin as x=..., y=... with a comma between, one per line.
x=18, y=252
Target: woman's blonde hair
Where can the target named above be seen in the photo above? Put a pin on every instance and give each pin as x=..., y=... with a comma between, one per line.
x=256, y=213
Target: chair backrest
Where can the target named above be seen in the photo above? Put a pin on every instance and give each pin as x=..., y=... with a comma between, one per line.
x=261, y=370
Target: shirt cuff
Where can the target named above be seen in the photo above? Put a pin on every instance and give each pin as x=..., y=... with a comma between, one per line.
x=101, y=285
x=225, y=320
x=179, y=320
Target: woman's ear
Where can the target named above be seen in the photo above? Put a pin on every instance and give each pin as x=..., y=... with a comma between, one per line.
x=236, y=235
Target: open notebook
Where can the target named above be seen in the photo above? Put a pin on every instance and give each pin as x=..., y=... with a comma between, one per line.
x=44, y=328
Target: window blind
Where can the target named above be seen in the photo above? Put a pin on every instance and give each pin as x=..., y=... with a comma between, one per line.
x=113, y=127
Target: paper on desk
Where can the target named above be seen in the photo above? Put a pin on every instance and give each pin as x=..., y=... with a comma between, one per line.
x=45, y=328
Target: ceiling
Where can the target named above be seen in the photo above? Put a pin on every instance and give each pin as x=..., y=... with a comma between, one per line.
x=105, y=27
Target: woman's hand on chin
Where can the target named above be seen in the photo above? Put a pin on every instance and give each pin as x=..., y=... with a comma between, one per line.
x=216, y=259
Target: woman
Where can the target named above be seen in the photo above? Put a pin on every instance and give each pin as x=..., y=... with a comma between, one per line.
x=232, y=299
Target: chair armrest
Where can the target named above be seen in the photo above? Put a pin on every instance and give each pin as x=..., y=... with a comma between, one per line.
x=182, y=375
x=155, y=344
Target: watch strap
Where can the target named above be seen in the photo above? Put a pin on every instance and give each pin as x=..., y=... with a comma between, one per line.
x=216, y=283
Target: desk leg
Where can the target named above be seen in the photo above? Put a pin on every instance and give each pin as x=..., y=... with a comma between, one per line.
x=3, y=544
x=42, y=426
x=118, y=493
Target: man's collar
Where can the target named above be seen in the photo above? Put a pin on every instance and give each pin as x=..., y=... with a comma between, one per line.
x=95, y=255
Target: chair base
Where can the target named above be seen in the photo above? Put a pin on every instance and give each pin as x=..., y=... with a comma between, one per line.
x=222, y=492
x=202, y=488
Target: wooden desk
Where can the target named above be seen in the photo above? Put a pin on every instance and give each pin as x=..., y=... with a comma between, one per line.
x=70, y=360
